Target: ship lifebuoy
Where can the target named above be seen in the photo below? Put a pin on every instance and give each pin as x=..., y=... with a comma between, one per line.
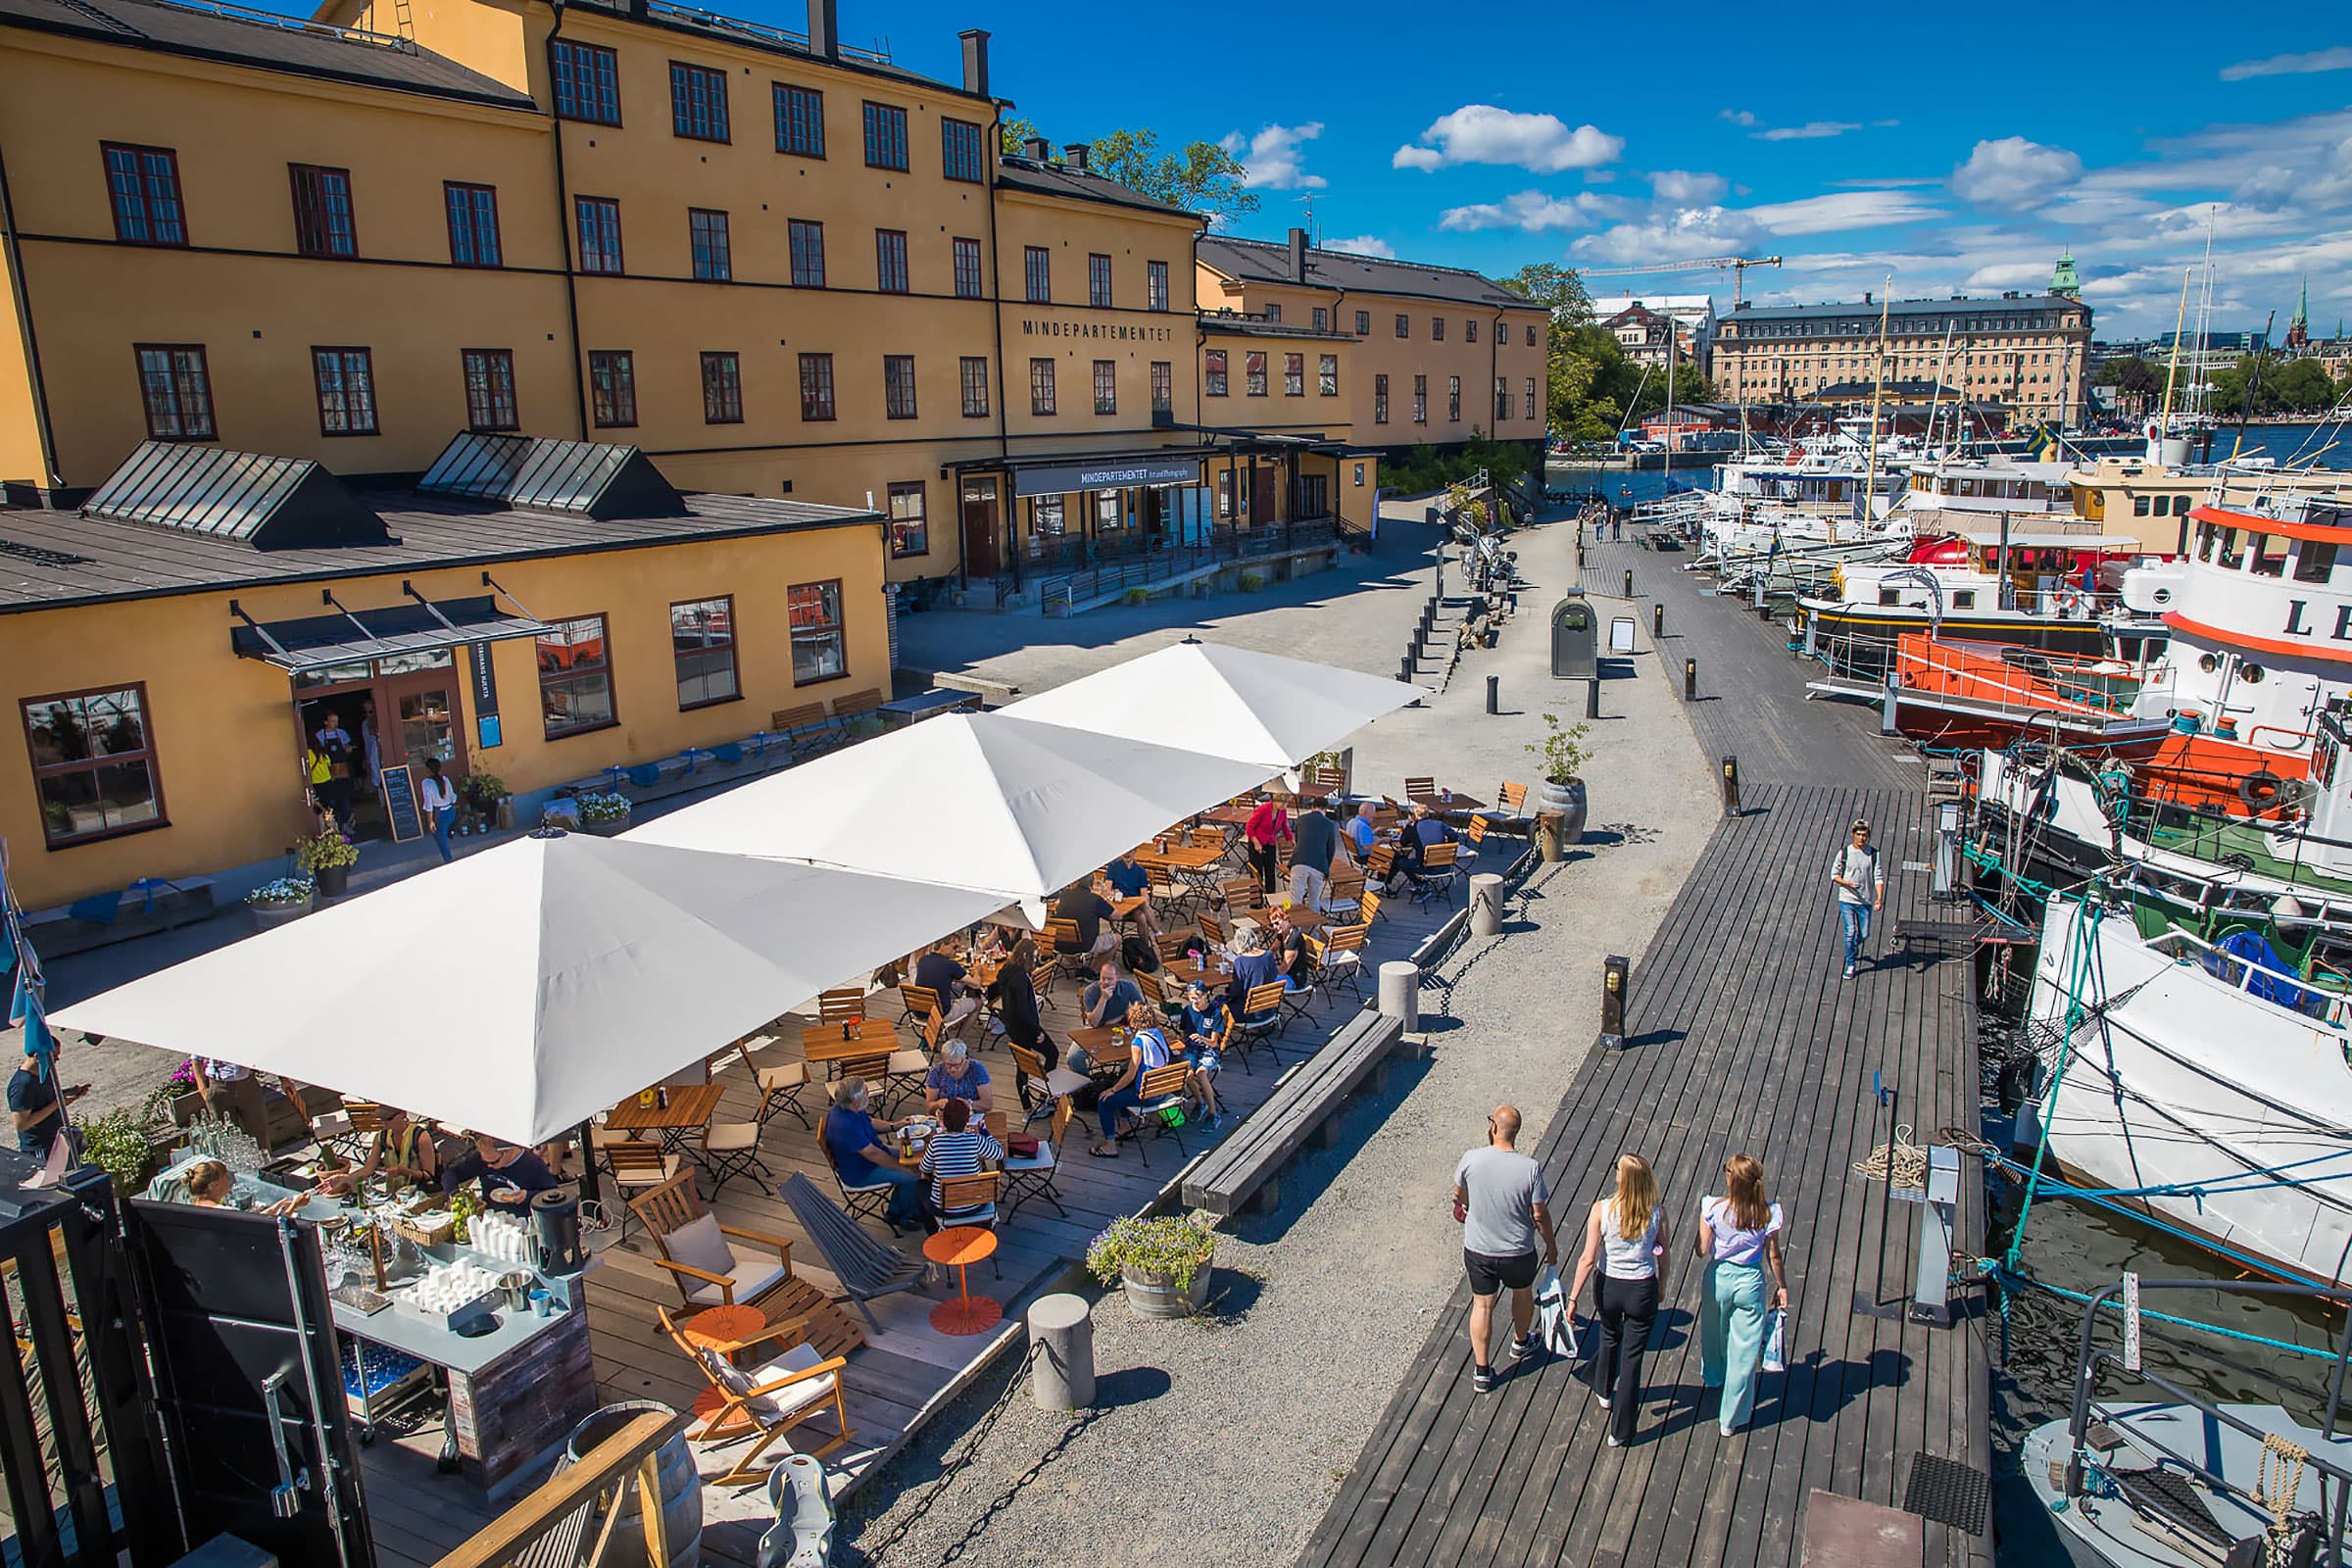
x=2261, y=789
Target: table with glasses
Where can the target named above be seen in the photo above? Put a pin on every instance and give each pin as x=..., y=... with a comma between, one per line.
x=689, y=1111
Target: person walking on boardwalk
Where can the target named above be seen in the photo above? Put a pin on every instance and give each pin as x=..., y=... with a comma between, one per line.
x=1499, y=1196
x=1628, y=1242
x=1861, y=891
x=1740, y=1237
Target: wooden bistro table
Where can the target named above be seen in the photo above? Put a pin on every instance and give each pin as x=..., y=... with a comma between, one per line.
x=689, y=1109
x=835, y=1043
x=1459, y=805
x=1106, y=1043
x=959, y=1247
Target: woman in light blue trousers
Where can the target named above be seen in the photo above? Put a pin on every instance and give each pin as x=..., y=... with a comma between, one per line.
x=1739, y=1238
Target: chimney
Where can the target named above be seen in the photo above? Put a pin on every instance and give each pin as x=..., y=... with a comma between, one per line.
x=975, y=61
x=1037, y=150
x=1074, y=155
x=824, y=28
x=1298, y=255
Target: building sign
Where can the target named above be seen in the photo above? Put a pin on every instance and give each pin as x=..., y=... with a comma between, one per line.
x=485, y=696
x=1112, y=473
x=1100, y=331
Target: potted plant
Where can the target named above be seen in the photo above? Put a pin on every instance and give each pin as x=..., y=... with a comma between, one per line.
x=604, y=815
x=1164, y=1260
x=327, y=858
x=174, y=1101
x=1562, y=791
x=484, y=796
x=118, y=1145
x=288, y=898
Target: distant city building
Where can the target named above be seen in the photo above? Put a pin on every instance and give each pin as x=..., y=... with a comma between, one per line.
x=2064, y=283
x=2205, y=354
x=2298, y=330
x=2027, y=353
x=1695, y=313
x=1647, y=336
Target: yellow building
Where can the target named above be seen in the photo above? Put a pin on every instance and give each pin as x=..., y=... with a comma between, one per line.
x=551, y=612
x=2024, y=353
x=1441, y=355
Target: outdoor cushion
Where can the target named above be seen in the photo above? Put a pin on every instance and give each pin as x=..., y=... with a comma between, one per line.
x=748, y=1277
x=700, y=1245
x=774, y=1408
x=725, y=1373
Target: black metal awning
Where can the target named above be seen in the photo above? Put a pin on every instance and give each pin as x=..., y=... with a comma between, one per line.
x=349, y=636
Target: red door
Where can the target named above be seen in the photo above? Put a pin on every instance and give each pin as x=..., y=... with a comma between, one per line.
x=980, y=559
x=1261, y=497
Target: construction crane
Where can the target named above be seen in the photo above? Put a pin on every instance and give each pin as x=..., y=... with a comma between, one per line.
x=1738, y=265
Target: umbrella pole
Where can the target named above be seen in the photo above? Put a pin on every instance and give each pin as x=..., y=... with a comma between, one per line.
x=588, y=1188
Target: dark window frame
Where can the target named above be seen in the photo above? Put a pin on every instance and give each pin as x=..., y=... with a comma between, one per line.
x=1293, y=374
x=146, y=195
x=1327, y=376
x=1156, y=285
x=1043, y=393
x=894, y=382
x=1254, y=373
x=342, y=367
x=839, y=626
x=491, y=359
x=146, y=754
x=898, y=490
x=798, y=109
x=1163, y=386
x=729, y=387
x=1037, y=274
x=882, y=139
x=718, y=127
x=804, y=241
x=1098, y=285
x=886, y=281
x=963, y=248
x=1215, y=369
x=604, y=205
x=570, y=674
x=1405, y=325
x=452, y=207
x=722, y=253
x=315, y=229
x=1106, y=379
x=1453, y=400
x=178, y=384
x=974, y=408
x=1380, y=398
x=568, y=55
x=732, y=643
x=1421, y=399
x=1363, y=324
x=619, y=367
x=962, y=144
x=818, y=405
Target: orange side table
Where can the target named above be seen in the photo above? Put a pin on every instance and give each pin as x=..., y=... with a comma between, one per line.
x=722, y=1325
x=960, y=1246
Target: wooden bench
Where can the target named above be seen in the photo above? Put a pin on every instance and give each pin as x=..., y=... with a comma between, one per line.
x=1250, y=1161
x=856, y=704
x=147, y=907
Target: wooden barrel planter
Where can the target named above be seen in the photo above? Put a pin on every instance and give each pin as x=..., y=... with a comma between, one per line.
x=1566, y=801
x=1159, y=1296
x=681, y=1490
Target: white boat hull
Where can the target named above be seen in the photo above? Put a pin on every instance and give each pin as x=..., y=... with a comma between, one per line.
x=2184, y=1079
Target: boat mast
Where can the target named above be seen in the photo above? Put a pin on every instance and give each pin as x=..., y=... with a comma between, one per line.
x=1877, y=399
x=2171, y=369
x=1943, y=362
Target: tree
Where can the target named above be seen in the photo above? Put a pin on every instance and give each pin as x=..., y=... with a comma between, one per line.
x=1558, y=288
x=1017, y=131
x=1203, y=178
x=2130, y=374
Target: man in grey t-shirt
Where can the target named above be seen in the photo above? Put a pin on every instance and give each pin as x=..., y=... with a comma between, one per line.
x=1499, y=1196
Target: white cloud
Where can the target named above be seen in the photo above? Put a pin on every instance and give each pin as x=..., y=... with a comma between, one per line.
x=1810, y=130
x=1361, y=245
x=1842, y=209
x=1481, y=134
x=1738, y=117
x=2014, y=172
x=1686, y=188
x=1533, y=212
x=2338, y=58
x=1274, y=158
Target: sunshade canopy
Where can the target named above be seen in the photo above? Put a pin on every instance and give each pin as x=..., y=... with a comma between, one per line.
x=1228, y=701
x=982, y=801
x=518, y=990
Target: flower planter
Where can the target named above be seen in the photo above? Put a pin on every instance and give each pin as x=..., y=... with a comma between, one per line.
x=332, y=880
x=1159, y=1296
x=1564, y=798
x=185, y=1108
x=265, y=915
x=610, y=827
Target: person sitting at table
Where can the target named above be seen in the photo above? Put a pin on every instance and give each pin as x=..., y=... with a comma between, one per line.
x=1147, y=1048
x=509, y=1175
x=402, y=1152
x=955, y=1079
x=1363, y=834
x=1420, y=833
x=1082, y=905
x=1289, y=946
x=210, y=1184
x=1252, y=967
x=1202, y=1027
x=857, y=1142
x=935, y=971
x=1015, y=995
x=1128, y=878
x=958, y=1148
x=1108, y=997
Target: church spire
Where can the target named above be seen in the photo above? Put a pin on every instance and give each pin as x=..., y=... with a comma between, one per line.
x=2298, y=330
x=2063, y=281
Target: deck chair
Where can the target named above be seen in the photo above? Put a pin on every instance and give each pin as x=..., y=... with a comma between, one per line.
x=1259, y=1020
x=767, y=1401
x=1162, y=1090
x=866, y=1268
x=780, y=1086
x=695, y=1250
x=972, y=1201
x=1436, y=878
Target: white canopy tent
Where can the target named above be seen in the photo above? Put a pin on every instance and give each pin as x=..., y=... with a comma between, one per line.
x=522, y=990
x=1228, y=701
x=982, y=801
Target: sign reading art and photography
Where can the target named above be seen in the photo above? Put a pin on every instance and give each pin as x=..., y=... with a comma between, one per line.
x=1113, y=473
x=1099, y=331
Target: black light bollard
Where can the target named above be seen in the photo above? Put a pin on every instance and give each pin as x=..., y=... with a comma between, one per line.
x=1494, y=694
x=1690, y=680
x=1629, y=582
x=1616, y=973
x=1730, y=785
x=1657, y=620
x=1593, y=699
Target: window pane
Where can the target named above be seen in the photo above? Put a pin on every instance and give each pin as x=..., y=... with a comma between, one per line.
x=1036, y=265
x=490, y=389
x=910, y=530
x=575, y=676
x=817, y=648
x=714, y=257
x=890, y=260
x=898, y=386
x=701, y=637
x=960, y=150
x=808, y=254
x=587, y=83
x=884, y=136
x=800, y=120
x=722, y=389
x=967, y=268
x=92, y=769
x=698, y=102
x=973, y=373
x=816, y=386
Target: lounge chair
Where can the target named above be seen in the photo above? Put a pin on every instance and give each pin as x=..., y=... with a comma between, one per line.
x=865, y=1266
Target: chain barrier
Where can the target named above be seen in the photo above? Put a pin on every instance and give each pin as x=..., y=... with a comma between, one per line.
x=949, y=1469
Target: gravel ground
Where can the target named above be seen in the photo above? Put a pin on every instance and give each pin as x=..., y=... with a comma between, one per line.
x=1318, y=1307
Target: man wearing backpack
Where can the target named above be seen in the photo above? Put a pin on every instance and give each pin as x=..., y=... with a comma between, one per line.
x=1861, y=890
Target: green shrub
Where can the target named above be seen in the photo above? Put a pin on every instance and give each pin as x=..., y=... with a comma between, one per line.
x=117, y=1144
x=1252, y=581
x=1172, y=1247
x=1135, y=595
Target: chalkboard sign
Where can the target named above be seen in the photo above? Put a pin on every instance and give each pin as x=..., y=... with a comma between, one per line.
x=399, y=803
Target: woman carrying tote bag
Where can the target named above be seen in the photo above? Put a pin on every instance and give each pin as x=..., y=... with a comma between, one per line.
x=1740, y=1237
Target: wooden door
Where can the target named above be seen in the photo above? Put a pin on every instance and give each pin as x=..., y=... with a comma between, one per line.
x=421, y=715
x=1261, y=497
x=980, y=554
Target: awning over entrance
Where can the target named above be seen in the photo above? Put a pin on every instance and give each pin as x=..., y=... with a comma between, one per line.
x=1105, y=474
x=313, y=641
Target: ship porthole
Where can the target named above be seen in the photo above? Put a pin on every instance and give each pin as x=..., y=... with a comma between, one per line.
x=2208, y=662
x=2251, y=674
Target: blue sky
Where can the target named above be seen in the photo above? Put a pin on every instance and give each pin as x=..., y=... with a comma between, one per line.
x=1956, y=150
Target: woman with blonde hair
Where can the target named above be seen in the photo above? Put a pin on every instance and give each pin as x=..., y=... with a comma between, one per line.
x=1627, y=1241
x=1740, y=1237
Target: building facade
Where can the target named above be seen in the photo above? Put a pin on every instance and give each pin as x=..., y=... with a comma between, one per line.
x=1694, y=312
x=2027, y=354
x=1647, y=338
x=1440, y=355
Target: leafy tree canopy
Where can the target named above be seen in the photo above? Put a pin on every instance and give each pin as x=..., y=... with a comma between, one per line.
x=1201, y=175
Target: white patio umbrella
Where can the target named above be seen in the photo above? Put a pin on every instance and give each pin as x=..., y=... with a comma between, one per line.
x=518, y=990
x=1229, y=702
x=970, y=800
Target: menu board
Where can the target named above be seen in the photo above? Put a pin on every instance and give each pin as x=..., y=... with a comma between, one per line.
x=400, y=802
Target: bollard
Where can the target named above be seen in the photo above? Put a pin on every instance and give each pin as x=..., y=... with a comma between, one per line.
x=1690, y=680
x=1400, y=992
x=1629, y=582
x=1657, y=620
x=1730, y=785
x=1062, y=1378
x=1494, y=694
x=1593, y=699
x=1551, y=836
x=1485, y=904
x=1616, y=981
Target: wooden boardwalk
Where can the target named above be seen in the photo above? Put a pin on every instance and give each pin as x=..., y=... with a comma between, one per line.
x=1742, y=1038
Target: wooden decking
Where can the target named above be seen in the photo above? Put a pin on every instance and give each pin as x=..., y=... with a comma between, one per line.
x=1741, y=1038
x=908, y=1373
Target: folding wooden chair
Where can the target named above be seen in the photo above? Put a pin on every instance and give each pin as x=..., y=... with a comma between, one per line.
x=780, y=1086
x=918, y=999
x=1436, y=878
x=1340, y=956
x=1155, y=993
x=731, y=1149
x=633, y=1165
x=971, y=1200
x=1261, y=1017
x=1045, y=1091
x=1466, y=853
x=844, y=1006
x=1367, y=909
x=1162, y=1089
x=767, y=1403
x=1212, y=929
x=1042, y=978
x=1416, y=787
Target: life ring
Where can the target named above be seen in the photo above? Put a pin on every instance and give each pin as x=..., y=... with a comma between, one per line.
x=2261, y=789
